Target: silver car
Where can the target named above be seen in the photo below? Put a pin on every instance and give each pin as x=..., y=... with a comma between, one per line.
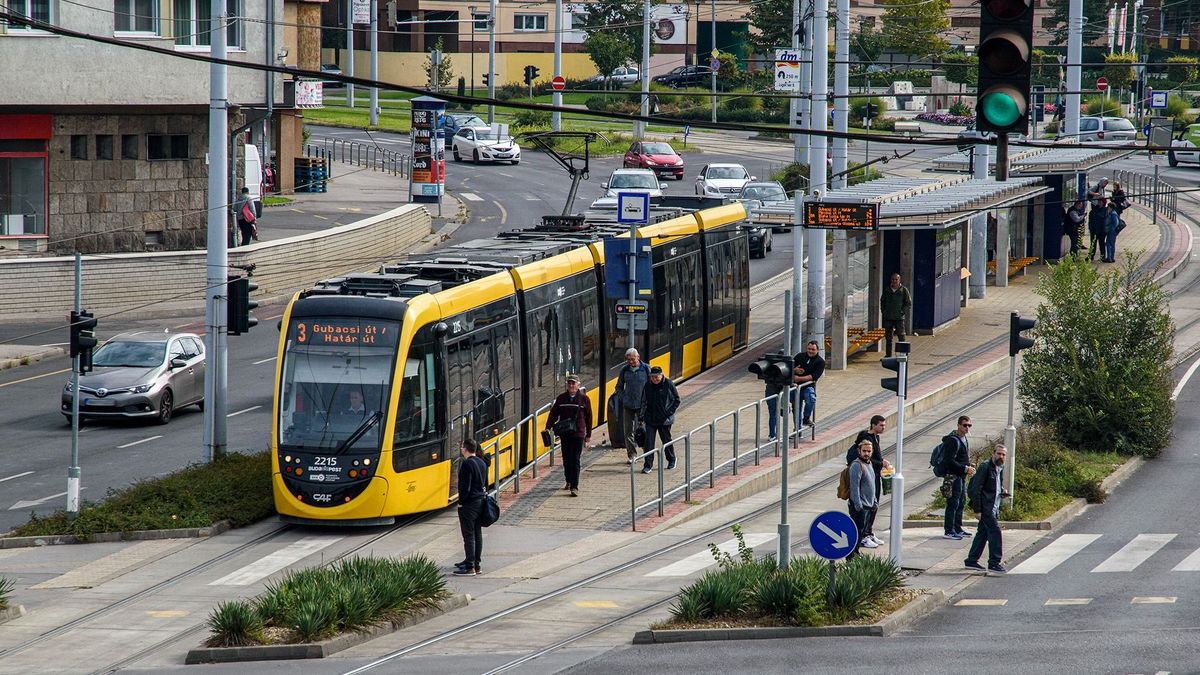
x=141, y=374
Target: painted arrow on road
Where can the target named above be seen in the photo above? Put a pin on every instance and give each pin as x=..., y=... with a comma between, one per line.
x=24, y=504
x=840, y=540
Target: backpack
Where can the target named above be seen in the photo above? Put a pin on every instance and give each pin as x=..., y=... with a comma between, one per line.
x=247, y=213
x=935, y=461
x=975, y=486
x=843, y=491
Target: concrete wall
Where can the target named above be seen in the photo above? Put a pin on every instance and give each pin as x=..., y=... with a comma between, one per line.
x=44, y=288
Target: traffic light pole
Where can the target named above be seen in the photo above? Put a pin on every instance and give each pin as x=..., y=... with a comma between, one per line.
x=785, y=529
x=1074, y=67
x=896, y=531
x=217, y=261
x=374, y=114
x=1010, y=431
x=74, y=473
x=491, y=83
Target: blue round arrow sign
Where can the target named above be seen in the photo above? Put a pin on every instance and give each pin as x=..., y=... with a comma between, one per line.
x=833, y=535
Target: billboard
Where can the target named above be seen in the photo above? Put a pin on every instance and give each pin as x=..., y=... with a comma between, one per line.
x=787, y=70
x=428, y=181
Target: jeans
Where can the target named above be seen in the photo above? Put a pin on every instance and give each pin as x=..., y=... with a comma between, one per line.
x=472, y=530
x=893, y=327
x=954, y=507
x=628, y=425
x=806, y=406
x=247, y=231
x=860, y=521
x=572, y=450
x=772, y=417
x=662, y=431
x=1110, y=245
x=988, y=531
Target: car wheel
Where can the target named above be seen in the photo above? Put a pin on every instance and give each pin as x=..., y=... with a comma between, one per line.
x=475, y=156
x=166, y=406
x=1171, y=159
x=457, y=157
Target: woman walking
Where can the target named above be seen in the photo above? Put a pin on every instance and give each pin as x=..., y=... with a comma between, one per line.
x=571, y=420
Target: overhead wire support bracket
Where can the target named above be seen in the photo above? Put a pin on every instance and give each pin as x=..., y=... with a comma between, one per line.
x=577, y=165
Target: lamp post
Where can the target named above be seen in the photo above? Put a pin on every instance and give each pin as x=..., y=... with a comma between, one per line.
x=471, y=9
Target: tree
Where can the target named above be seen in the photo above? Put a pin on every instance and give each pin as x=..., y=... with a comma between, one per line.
x=445, y=71
x=620, y=19
x=773, y=20
x=1096, y=26
x=728, y=74
x=961, y=68
x=1099, y=374
x=607, y=52
x=1183, y=68
x=867, y=44
x=1118, y=69
x=916, y=28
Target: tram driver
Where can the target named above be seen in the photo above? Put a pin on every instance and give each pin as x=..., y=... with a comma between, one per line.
x=356, y=404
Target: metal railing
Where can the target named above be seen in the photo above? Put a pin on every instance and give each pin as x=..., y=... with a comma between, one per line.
x=707, y=434
x=523, y=434
x=1150, y=191
x=361, y=154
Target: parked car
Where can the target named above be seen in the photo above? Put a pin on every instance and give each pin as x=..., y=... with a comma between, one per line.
x=659, y=157
x=769, y=202
x=685, y=76
x=485, y=144
x=722, y=180
x=1104, y=129
x=628, y=180
x=331, y=69
x=1188, y=144
x=623, y=75
x=142, y=374
x=452, y=122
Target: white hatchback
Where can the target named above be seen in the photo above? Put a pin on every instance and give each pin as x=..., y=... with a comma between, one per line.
x=484, y=144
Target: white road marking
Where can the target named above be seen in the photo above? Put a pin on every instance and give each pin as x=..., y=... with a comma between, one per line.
x=1055, y=554
x=695, y=563
x=26, y=503
x=531, y=198
x=1068, y=601
x=36, y=377
x=981, y=602
x=1134, y=553
x=1184, y=380
x=1154, y=600
x=15, y=476
x=235, y=414
x=470, y=196
x=1189, y=564
x=262, y=361
x=272, y=563
x=144, y=440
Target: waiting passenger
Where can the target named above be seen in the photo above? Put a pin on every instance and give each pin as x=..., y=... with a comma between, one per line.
x=472, y=497
x=571, y=420
x=659, y=404
x=631, y=386
x=809, y=368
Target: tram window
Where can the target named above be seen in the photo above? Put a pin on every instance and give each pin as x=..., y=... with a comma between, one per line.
x=458, y=362
x=507, y=367
x=694, y=296
x=589, y=367
x=416, y=417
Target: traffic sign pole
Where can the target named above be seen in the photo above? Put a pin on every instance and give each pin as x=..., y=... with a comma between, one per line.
x=785, y=530
x=896, y=533
x=558, y=82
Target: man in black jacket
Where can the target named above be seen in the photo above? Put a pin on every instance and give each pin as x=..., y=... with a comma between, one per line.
x=956, y=460
x=472, y=492
x=809, y=368
x=659, y=403
x=987, y=486
x=871, y=433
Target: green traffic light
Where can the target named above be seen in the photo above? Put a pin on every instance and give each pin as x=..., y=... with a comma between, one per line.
x=1000, y=109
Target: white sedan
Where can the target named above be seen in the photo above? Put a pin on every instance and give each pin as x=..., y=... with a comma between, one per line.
x=722, y=180
x=484, y=144
x=628, y=180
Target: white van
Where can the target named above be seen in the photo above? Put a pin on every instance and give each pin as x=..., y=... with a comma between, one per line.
x=253, y=177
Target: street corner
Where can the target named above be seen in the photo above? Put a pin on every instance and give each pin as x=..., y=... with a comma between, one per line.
x=14, y=356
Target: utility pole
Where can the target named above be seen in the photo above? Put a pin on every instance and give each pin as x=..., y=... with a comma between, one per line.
x=796, y=100
x=799, y=155
x=491, y=60
x=977, y=261
x=800, y=142
x=817, y=173
x=556, y=117
x=349, y=51
x=1074, y=67
x=841, y=91
x=639, y=127
x=374, y=116
x=217, y=261
x=713, y=74
x=785, y=529
x=471, y=9
x=74, y=473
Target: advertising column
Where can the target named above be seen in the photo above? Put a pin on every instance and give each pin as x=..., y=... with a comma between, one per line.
x=427, y=180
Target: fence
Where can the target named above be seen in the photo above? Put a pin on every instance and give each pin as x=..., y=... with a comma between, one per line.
x=1159, y=195
x=361, y=154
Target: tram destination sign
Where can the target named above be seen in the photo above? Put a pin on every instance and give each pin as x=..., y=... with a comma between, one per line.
x=345, y=332
x=841, y=216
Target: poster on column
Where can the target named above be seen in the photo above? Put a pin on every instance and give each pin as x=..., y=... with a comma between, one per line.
x=428, y=150
x=787, y=70
x=360, y=11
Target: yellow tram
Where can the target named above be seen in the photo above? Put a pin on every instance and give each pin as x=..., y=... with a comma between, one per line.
x=381, y=376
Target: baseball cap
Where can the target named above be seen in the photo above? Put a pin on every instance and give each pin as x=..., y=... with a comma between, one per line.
x=572, y=377
x=656, y=370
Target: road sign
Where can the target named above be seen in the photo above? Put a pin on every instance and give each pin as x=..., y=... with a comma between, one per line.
x=787, y=70
x=1102, y=84
x=558, y=83
x=833, y=535
x=715, y=53
x=1158, y=99
x=687, y=129
x=633, y=207
x=714, y=64
x=616, y=270
x=635, y=307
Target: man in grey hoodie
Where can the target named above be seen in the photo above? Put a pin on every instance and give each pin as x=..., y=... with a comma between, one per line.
x=630, y=392
x=862, y=491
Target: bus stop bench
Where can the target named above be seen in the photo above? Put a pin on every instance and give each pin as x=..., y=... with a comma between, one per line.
x=1015, y=266
x=857, y=339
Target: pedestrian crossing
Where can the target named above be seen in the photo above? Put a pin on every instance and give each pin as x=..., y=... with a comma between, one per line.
x=1128, y=558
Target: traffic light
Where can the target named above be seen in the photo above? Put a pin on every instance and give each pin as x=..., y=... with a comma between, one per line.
x=1016, y=341
x=773, y=368
x=871, y=112
x=486, y=77
x=531, y=74
x=892, y=363
x=83, y=338
x=237, y=308
x=1005, y=66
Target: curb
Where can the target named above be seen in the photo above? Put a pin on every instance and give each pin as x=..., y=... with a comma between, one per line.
x=918, y=607
x=42, y=353
x=109, y=537
x=810, y=459
x=324, y=648
x=12, y=612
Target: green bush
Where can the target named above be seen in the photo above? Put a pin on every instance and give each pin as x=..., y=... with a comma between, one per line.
x=862, y=583
x=884, y=123
x=235, y=488
x=234, y=623
x=7, y=586
x=858, y=109
x=531, y=118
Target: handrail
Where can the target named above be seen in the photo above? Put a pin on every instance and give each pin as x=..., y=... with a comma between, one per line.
x=366, y=155
x=1150, y=191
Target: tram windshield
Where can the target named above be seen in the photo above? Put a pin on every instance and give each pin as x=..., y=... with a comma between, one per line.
x=336, y=380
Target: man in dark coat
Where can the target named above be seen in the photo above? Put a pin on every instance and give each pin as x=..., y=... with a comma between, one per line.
x=956, y=461
x=987, y=486
x=659, y=403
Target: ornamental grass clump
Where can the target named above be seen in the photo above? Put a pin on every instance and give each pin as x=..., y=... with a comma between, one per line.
x=234, y=623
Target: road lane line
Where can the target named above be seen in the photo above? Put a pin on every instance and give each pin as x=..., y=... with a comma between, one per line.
x=1134, y=553
x=272, y=563
x=470, y=196
x=503, y=212
x=1153, y=600
x=1184, y=380
x=981, y=602
x=694, y=563
x=1054, y=554
x=1067, y=601
x=1189, y=564
x=144, y=440
x=15, y=476
x=36, y=377
x=235, y=414
x=262, y=361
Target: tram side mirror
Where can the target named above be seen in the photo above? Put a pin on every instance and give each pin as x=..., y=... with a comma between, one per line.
x=440, y=329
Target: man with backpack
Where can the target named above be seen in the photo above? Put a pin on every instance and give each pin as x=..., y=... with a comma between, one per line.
x=955, y=468
x=472, y=500
x=985, y=493
x=862, y=498
x=871, y=435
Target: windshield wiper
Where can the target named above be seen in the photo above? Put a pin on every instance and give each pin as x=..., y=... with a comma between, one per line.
x=358, y=433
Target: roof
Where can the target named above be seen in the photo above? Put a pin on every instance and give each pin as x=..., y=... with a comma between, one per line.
x=1061, y=159
x=936, y=202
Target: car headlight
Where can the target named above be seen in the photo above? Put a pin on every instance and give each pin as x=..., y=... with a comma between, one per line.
x=141, y=388
x=68, y=387
x=651, y=162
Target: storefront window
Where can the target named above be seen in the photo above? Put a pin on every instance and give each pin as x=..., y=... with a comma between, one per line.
x=22, y=195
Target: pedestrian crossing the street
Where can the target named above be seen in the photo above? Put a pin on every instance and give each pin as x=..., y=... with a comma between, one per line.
x=1126, y=559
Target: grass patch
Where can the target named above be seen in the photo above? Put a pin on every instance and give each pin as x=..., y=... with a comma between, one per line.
x=316, y=603
x=236, y=488
x=616, y=144
x=277, y=201
x=359, y=118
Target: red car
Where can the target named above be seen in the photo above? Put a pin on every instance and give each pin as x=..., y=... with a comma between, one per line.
x=657, y=156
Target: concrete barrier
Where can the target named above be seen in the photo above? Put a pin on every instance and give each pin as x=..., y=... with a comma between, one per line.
x=125, y=282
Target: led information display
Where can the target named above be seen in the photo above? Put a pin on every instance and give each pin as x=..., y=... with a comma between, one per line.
x=833, y=216
x=346, y=332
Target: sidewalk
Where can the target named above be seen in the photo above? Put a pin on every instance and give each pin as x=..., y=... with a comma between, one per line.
x=976, y=343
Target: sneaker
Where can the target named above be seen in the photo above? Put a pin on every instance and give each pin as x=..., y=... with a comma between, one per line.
x=462, y=565
x=466, y=572
x=972, y=564
x=997, y=569
x=647, y=469
x=868, y=542
x=877, y=540
x=952, y=535
x=772, y=439
x=574, y=493
x=808, y=422
x=964, y=533
x=670, y=465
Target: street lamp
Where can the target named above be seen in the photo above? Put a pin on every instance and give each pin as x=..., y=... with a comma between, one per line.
x=471, y=9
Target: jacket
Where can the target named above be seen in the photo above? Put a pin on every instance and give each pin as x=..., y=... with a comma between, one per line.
x=876, y=452
x=1112, y=222
x=472, y=479
x=631, y=384
x=989, y=473
x=811, y=365
x=579, y=407
x=1096, y=221
x=1076, y=217
x=240, y=204
x=862, y=486
x=955, y=463
x=1119, y=201
x=659, y=403
x=894, y=305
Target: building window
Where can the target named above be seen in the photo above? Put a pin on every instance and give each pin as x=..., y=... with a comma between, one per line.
x=481, y=21
x=530, y=22
x=79, y=146
x=22, y=194
x=129, y=146
x=104, y=146
x=136, y=16
x=39, y=10
x=167, y=146
x=193, y=23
